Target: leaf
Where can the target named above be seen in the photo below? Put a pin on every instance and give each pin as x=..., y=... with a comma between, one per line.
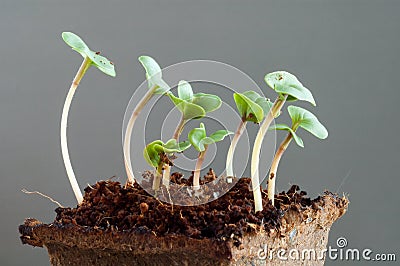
x=198, y=138
x=251, y=106
x=285, y=83
x=151, y=153
x=308, y=121
x=220, y=135
x=296, y=138
x=185, y=91
x=172, y=146
x=154, y=74
x=153, y=150
x=208, y=102
x=188, y=110
x=77, y=44
x=196, y=135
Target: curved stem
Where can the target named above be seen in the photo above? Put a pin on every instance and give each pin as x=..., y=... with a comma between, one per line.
x=128, y=133
x=179, y=129
x=63, y=132
x=274, y=166
x=232, y=147
x=255, y=156
x=199, y=163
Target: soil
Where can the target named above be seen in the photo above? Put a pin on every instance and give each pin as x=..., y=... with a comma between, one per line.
x=111, y=207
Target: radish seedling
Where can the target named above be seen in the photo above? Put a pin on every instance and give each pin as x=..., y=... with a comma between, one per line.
x=156, y=154
x=199, y=140
x=300, y=118
x=289, y=88
x=252, y=107
x=191, y=106
x=156, y=86
x=91, y=58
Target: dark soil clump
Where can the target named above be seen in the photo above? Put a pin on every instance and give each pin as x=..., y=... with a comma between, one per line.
x=109, y=206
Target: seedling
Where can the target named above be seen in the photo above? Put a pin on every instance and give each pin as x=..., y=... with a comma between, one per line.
x=252, y=107
x=156, y=86
x=300, y=118
x=289, y=88
x=91, y=58
x=199, y=140
x=156, y=155
x=191, y=106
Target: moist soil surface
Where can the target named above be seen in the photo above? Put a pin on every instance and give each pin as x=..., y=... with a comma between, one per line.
x=111, y=207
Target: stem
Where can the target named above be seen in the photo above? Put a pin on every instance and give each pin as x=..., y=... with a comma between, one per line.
x=255, y=157
x=166, y=175
x=179, y=128
x=232, y=147
x=157, y=177
x=63, y=132
x=274, y=166
x=167, y=167
x=196, y=175
x=128, y=133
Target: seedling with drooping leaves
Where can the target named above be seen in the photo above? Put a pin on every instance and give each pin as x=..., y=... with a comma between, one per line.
x=199, y=140
x=289, y=88
x=91, y=58
x=252, y=108
x=156, y=154
x=300, y=118
x=156, y=86
x=191, y=106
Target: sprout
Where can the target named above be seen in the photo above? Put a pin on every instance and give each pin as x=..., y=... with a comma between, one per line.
x=289, y=88
x=192, y=106
x=156, y=155
x=198, y=138
x=252, y=107
x=300, y=118
x=156, y=86
x=91, y=58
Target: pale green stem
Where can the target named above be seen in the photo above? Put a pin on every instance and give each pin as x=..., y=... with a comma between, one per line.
x=274, y=166
x=199, y=163
x=128, y=133
x=179, y=128
x=157, y=177
x=232, y=147
x=255, y=157
x=64, y=122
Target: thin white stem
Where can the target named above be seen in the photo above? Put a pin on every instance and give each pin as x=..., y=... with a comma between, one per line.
x=166, y=175
x=232, y=147
x=157, y=178
x=199, y=163
x=255, y=157
x=274, y=167
x=128, y=133
x=63, y=132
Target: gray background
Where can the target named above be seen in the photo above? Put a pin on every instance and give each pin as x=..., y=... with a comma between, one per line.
x=346, y=52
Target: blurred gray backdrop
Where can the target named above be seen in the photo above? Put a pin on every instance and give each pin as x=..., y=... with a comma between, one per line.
x=345, y=51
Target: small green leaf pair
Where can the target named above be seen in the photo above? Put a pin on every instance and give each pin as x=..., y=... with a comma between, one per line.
x=251, y=106
x=194, y=106
x=97, y=60
x=198, y=137
x=304, y=119
x=153, y=151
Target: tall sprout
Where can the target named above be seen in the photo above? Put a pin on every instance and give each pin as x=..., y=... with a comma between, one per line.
x=156, y=86
x=289, y=88
x=252, y=108
x=90, y=58
x=301, y=118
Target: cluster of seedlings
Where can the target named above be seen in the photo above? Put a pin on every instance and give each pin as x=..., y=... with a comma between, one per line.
x=251, y=107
